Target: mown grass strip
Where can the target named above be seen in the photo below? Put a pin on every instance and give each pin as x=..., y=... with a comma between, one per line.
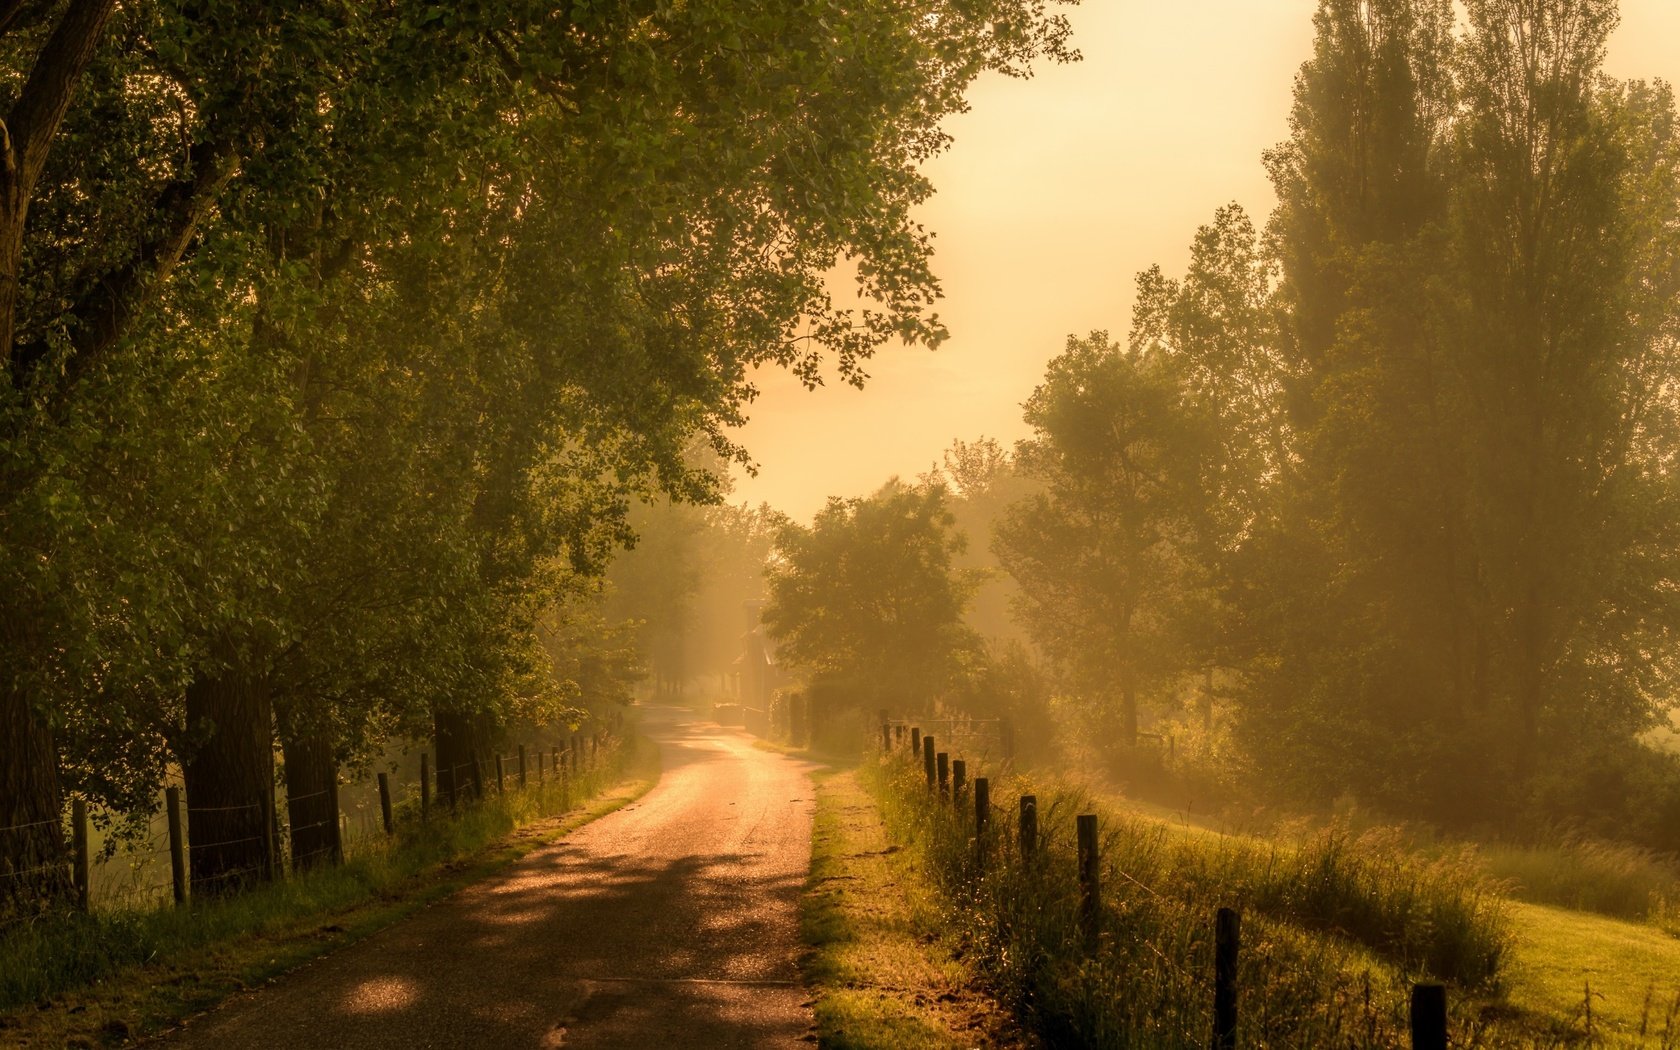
x=883, y=975
x=107, y=978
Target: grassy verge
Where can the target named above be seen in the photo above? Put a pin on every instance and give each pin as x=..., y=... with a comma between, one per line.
x=1335, y=926
x=883, y=978
x=106, y=978
x=1630, y=970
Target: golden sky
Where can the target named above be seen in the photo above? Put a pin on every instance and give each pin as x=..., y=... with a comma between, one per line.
x=1057, y=191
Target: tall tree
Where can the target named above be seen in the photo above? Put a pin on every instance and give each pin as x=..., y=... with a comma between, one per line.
x=1104, y=555
x=867, y=598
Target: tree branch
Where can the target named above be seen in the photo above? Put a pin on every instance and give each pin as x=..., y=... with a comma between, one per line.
x=39, y=111
x=108, y=310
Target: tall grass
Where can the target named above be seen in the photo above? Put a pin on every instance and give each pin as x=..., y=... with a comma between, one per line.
x=1583, y=874
x=54, y=953
x=1334, y=926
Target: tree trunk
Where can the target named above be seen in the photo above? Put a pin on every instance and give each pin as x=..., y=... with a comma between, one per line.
x=311, y=802
x=33, y=858
x=459, y=775
x=229, y=773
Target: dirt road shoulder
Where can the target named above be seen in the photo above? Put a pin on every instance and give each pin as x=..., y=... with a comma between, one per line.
x=883, y=976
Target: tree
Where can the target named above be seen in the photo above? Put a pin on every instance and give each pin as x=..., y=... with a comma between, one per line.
x=1457, y=566
x=867, y=598
x=518, y=259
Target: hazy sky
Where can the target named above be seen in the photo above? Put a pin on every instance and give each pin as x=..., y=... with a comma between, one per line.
x=1057, y=191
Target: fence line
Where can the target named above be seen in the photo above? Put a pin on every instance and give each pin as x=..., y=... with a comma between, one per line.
x=120, y=871
x=1427, y=1008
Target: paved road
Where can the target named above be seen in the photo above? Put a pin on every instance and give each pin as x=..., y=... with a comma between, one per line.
x=671, y=923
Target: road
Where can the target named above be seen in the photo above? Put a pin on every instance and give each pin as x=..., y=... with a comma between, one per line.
x=670, y=923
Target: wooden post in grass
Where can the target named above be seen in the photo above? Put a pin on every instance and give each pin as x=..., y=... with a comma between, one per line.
x=501, y=786
x=959, y=780
x=385, y=803
x=1006, y=739
x=425, y=787
x=886, y=734
x=337, y=824
x=1429, y=1017
x=177, y=844
x=540, y=777
x=915, y=741
x=928, y=763
x=944, y=765
x=1029, y=827
x=79, y=873
x=1088, y=888
x=982, y=817
x=1226, y=936
x=521, y=765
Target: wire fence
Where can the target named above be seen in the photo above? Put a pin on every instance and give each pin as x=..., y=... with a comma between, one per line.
x=140, y=868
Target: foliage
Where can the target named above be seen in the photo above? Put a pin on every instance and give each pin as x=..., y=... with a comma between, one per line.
x=1104, y=554
x=868, y=597
x=344, y=335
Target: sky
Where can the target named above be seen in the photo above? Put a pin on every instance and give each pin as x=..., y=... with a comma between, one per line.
x=1057, y=191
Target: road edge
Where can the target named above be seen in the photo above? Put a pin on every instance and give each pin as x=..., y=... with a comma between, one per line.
x=146, y=1002
x=881, y=975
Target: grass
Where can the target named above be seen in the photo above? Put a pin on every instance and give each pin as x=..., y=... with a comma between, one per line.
x=1632, y=970
x=1590, y=875
x=883, y=978
x=1336, y=926
x=119, y=974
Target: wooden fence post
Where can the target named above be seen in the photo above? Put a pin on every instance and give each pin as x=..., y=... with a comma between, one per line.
x=501, y=786
x=944, y=764
x=425, y=787
x=982, y=817
x=540, y=777
x=1226, y=936
x=1088, y=888
x=337, y=824
x=521, y=765
x=927, y=763
x=959, y=780
x=177, y=844
x=886, y=732
x=79, y=873
x=1006, y=739
x=385, y=803
x=1429, y=1017
x=271, y=834
x=1029, y=827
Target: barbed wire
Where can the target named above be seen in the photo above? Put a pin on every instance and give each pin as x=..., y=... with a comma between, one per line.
x=18, y=873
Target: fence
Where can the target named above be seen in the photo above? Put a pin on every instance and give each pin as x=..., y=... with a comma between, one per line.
x=156, y=868
x=954, y=786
